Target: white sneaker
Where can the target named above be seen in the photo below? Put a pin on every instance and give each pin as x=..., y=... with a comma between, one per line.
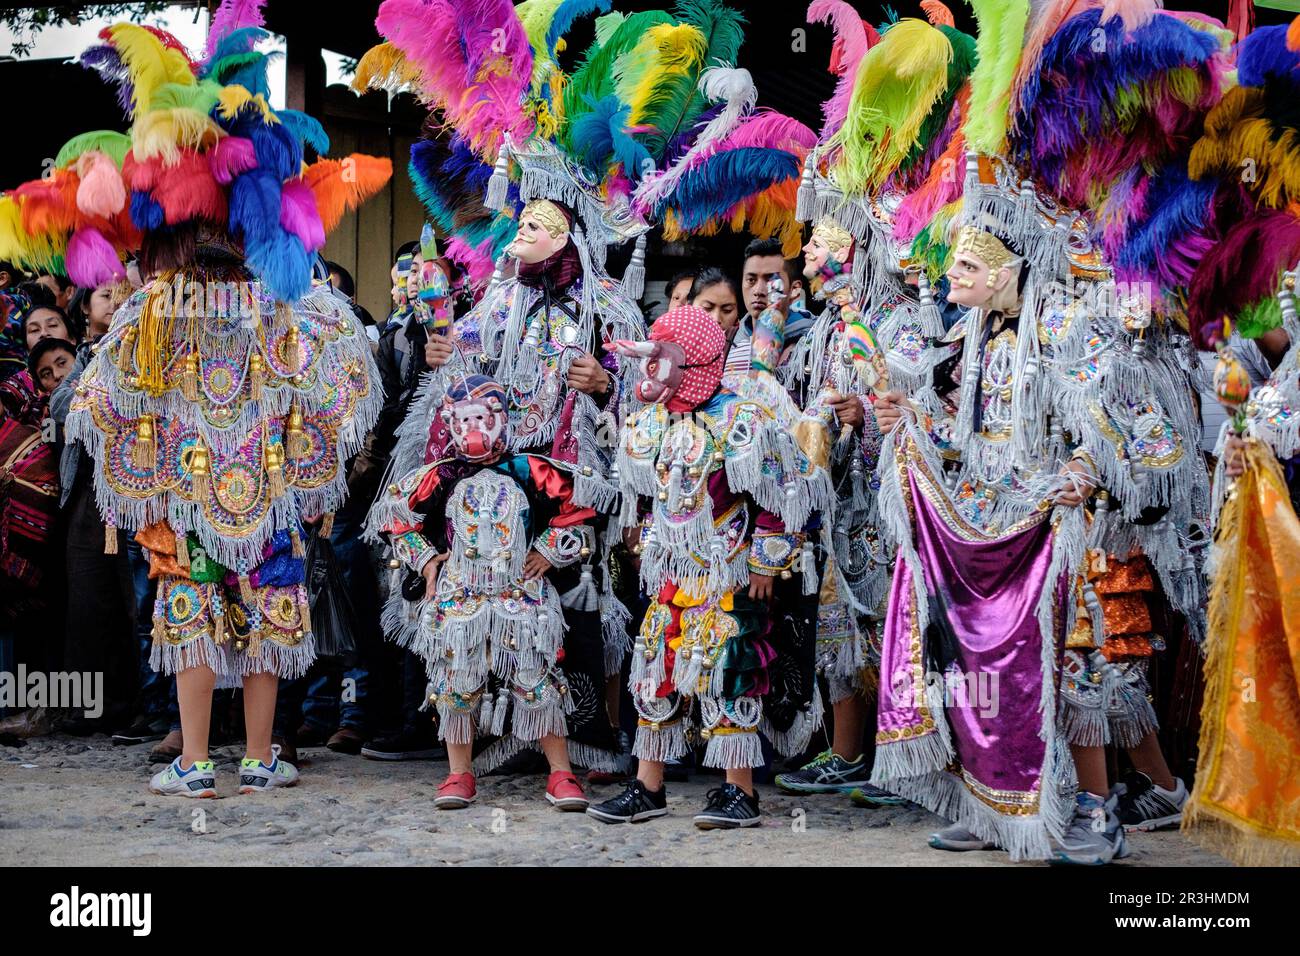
x=200, y=780
x=257, y=777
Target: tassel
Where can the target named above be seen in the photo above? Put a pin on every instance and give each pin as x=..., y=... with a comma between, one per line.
x=126, y=351
x=219, y=629
x=295, y=437
x=634, y=277
x=293, y=350
x=807, y=195
x=182, y=550
x=256, y=375
x=159, y=631
x=246, y=589
x=275, y=468
x=144, y=455
x=500, y=181
x=190, y=378
x=327, y=525
x=295, y=540
x=304, y=609
x=110, y=538
x=200, y=471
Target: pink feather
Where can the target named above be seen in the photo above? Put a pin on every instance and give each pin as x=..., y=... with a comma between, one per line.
x=298, y=214
x=1134, y=13
x=231, y=156
x=769, y=129
x=91, y=259
x=475, y=260
x=233, y=15
x=852, y=43
x=101, y=191
x=474, y=60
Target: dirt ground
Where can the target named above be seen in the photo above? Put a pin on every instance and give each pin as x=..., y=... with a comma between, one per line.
x=76, y=802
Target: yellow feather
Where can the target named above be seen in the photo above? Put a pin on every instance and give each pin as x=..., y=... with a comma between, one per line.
x=165, y=132
x=666, y=50
x=384, y=67
x=148, y=62
x=11, y=230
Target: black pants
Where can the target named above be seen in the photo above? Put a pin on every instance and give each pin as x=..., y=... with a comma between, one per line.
x=100, y=629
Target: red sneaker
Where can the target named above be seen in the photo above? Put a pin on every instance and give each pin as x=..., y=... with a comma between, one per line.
x=564, y=792
x=456, y=792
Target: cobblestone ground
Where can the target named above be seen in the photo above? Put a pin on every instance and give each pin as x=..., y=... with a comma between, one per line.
x=66, y=801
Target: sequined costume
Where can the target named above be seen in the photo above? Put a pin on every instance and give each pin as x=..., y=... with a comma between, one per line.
x=228, y=392
x=722, y=480
x=227, y=425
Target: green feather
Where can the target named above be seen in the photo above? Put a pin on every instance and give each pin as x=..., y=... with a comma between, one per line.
x=723, y=30
x=963, y=61
x=1259, y=317
x=107, y=141
x=200, y=97
x=594, y=79
x=1001, y=35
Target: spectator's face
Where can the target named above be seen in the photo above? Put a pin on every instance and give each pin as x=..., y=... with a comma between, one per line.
x=44, y=324
x=681, y=294
x=99, y=313
x=720, y=302
x=52, y=369
x=336, y=281
x=61, y=296
x=753, y=284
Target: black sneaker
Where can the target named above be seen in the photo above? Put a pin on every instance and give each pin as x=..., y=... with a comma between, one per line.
x=1143, y=806
x=633, y=805
x=143, y=730
x=408, y=745
x=729, y=807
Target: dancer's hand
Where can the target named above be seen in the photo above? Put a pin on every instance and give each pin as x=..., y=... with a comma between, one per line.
x=430, y=574
x=536, y=565
x=437, y=351
x=848, y=410
x=760, y=586
x=586, y=374
x=887, y=411
x=1079, y=489
x=1234, y=457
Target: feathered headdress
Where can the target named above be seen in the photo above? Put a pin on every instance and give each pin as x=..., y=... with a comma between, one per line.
x=1249, y=156
x=885, y=127
x=1104, y=120
x=489, y=71
x=206, y=156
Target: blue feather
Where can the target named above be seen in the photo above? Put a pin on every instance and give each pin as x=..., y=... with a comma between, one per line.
x=236, y=41
x=277, y=149
x=715, y=187
x=600, y=137
x=568, y=12
x=255, y=205
x=145, y=212
x=1263, y=53
x=280, y=260
x=307, y=129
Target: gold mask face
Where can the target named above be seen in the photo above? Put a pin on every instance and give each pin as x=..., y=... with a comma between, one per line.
x=984, y=246
x=543, y=231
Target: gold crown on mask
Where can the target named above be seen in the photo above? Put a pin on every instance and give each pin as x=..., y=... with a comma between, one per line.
x=549, y=215
x=835, y=237
x=986, y=247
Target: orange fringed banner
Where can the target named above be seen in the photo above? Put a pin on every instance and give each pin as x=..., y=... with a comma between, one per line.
x=1246, y=801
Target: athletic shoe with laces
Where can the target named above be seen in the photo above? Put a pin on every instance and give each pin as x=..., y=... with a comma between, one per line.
x=958, y=839
x=633, y=805
x=1143, y=806
x=200, y=780
x=456, y=792
x=258, y=777
x=1094, y=836
x=828, y=772
x=729, y=807
x=407, y=745
x=868, y=795
x=564, y=792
